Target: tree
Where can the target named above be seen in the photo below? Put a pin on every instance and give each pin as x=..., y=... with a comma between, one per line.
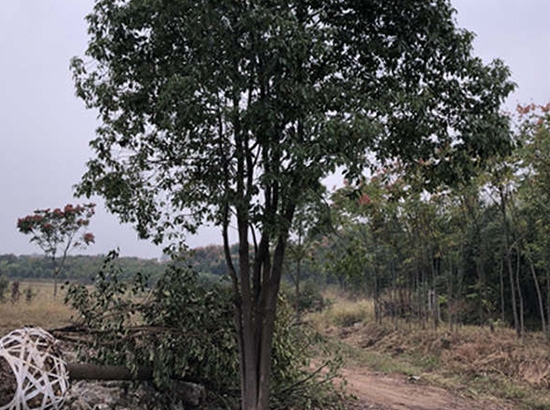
x=534, y=134
x=56, y=232
x=230, y=111
x=310, y=221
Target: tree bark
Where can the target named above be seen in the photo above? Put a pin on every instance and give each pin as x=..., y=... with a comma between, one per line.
x=297, y=289
x=520, y=296
x=78, y=371
x=502, y=304
x=508, y=255
x=539, y=296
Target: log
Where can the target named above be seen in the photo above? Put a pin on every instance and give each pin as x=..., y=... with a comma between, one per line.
x=193, y=395
x=78, y=371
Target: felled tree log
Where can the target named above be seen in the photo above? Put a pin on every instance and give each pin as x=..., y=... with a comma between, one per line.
x=192, y=394
x=78, y=371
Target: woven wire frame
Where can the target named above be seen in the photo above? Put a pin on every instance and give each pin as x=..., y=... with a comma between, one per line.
x=40, y=372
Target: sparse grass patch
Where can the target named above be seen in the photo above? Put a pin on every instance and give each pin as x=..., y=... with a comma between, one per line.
x=42, y=310
x=342, y=312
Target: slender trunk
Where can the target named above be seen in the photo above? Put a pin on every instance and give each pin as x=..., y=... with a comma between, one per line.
x=55, y=273
x=520, y=296
x=502, y=305
x=268, y=325
x=450, y=296
x=436, y=265
x=397, y=301
x=375, y=287
x=548, y=303
x=513, y=293
x=508, y=256
x=539, y=296
x=482, y=290
x=297, y=288
x=377, y=313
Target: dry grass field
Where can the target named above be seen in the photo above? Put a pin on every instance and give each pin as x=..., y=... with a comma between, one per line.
x=43, y=310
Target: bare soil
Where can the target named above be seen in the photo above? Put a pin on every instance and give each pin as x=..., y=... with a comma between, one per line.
x=376, y=391
x=8, y=383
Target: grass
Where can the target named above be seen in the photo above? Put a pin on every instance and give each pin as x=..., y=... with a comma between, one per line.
x=470, y=361
x=43, y=310
x=343, y=312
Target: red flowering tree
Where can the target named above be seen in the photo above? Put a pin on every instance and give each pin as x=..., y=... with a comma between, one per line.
x=59, y=231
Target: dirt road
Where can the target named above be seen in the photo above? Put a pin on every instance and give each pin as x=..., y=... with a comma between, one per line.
x=396, y=392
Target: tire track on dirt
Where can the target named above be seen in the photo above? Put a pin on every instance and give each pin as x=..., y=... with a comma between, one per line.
x=394, y=392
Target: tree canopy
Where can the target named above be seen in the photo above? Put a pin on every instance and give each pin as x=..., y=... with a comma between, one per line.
x=187, y=90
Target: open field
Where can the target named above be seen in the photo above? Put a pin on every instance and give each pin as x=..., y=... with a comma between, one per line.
x=43, y=310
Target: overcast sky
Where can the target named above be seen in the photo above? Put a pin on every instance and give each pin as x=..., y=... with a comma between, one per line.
x=45, y=130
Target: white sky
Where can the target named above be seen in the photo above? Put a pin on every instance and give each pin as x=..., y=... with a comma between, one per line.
x=45, y=129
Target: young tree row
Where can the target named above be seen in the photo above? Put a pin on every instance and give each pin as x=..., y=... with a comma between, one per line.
x=469, y=252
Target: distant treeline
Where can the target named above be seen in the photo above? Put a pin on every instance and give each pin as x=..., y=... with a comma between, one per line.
x=80, y=267
x=206, y=260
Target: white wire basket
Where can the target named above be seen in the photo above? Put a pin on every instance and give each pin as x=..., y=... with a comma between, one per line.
x=40, y=373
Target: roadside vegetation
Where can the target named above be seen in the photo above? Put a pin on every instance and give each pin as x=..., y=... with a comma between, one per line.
x=482, y=363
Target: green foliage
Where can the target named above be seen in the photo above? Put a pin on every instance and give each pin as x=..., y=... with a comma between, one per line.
x=460, y=253
x=183, y=328
x=296, y=385
x=276, y=95
x=311, y=297
x=211, y=259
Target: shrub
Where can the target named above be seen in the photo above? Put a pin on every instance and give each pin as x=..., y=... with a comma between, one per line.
x=348, y=313
x=30, y=294
x=15, y=291
x=4, y=285
x=311, y=298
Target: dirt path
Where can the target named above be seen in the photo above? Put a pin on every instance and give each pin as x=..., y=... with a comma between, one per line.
x=394, y=392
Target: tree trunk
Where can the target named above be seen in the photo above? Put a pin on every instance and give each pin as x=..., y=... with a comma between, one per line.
x=297, y=289
x=539, y=296
x=482, y=289
x=257, y=316
x=450, y=296
x=513, y=293
x=508, y=256
x=520, y=296
x=502, y=305
x=548, y=304
x=55, y=274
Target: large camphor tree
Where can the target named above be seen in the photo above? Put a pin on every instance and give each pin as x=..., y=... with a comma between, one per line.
x=231, y=111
